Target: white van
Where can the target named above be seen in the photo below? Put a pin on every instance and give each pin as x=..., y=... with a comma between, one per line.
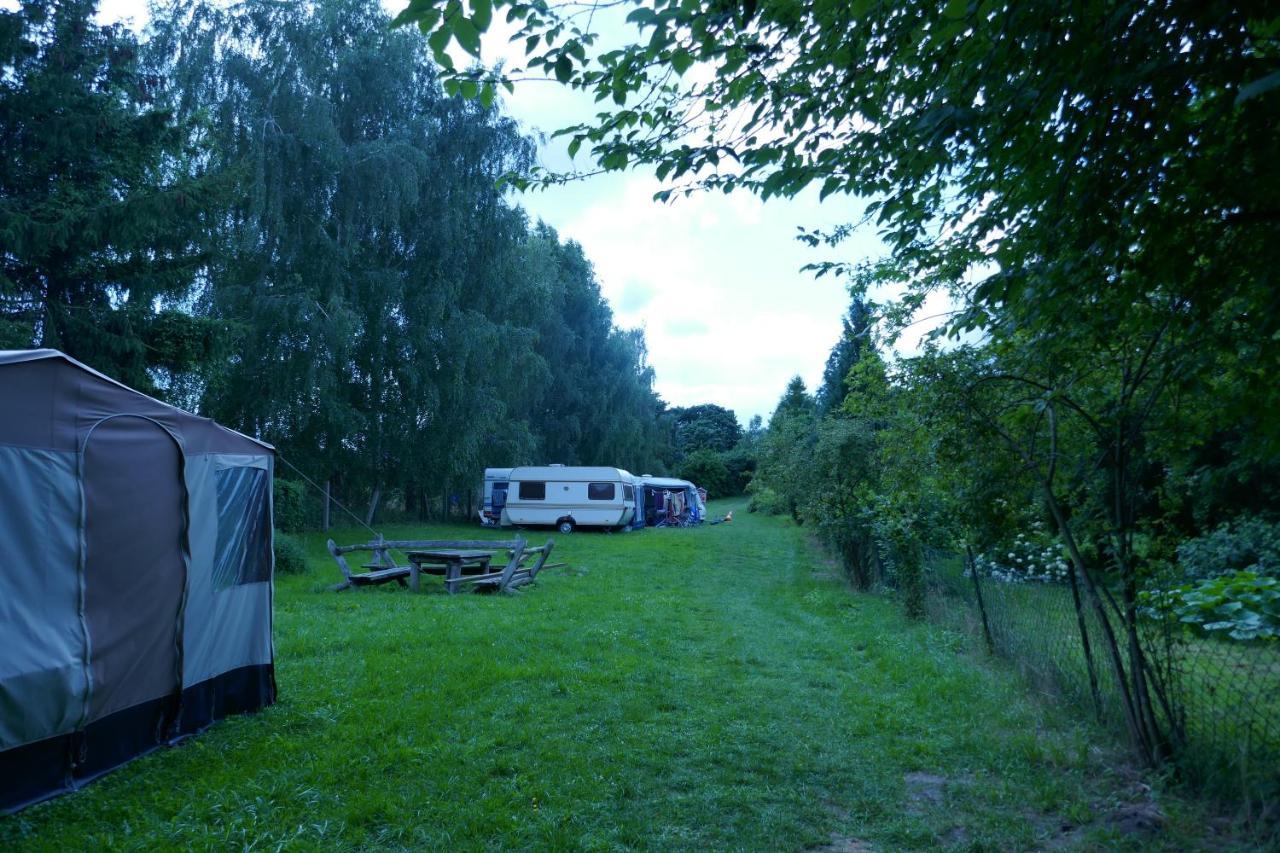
x=568, y=497
x=494, y=496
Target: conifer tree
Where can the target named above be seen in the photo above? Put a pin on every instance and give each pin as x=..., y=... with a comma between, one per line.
x=102, y=201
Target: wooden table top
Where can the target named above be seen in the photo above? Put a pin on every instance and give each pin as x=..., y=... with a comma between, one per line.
x=447, y=554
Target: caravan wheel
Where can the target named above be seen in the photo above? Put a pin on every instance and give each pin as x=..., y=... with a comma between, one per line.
x=565, y=525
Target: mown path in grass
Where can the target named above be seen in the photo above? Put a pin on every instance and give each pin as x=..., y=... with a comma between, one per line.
x=717, y=687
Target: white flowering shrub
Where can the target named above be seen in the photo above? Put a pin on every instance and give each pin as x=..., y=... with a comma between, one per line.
x=1033, y=558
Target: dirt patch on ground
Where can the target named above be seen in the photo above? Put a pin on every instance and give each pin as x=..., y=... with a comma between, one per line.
x=1137, y=819
x=845, y=844
x=924, y=791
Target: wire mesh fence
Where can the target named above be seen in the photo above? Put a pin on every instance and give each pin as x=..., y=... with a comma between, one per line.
x=1217, y=700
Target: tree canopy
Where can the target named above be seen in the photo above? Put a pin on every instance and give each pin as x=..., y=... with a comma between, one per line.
x=272, y=214
x=706, y=427
x=103, y=199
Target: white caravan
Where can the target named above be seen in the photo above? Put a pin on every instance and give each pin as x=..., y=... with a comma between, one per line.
x=567, y=497
x=494, y=497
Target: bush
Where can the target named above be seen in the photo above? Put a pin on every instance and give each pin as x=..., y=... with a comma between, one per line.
x=765, y=500
x=704, y=468
x=289, y=504
x=740, y=463
x=1241, y=605
x=291, y=557
x=1026, y=559
x=1248, y=544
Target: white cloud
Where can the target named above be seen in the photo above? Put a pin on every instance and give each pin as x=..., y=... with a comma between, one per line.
x=729, y=316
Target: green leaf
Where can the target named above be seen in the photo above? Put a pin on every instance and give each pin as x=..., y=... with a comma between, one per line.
x=681, y=61
x=467, y=35
x=643, y=16
x=574, y=145
x=481, y=14
x=564, y=68
x=415, y=12
x=439, y=40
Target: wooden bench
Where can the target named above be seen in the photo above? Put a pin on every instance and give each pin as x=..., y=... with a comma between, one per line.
x=373, y=577
x=518, y=571
x=454, y=559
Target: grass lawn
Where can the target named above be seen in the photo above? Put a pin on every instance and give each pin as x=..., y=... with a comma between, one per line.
x=718, y=687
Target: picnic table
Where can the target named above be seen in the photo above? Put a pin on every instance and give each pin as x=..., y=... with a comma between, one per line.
x=452, y=563
x=461, y=562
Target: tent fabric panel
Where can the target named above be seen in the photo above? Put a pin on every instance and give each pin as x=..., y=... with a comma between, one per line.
x=35, y=772
x=58, y=400
x=225, y=628
x=134, y=562
x=237, y=691
x=42, y=643
x=31, y=392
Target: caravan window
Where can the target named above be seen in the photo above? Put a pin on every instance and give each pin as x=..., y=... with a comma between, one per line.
x=533, y=491
x=244, y=527
x=628, y=494
x=600, y=491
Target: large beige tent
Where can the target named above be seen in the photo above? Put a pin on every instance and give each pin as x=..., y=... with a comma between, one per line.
x=135, y=574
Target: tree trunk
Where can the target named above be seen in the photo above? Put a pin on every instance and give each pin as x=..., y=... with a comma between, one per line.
x=373, y=505
x=1084, y=640
x=1134, y=720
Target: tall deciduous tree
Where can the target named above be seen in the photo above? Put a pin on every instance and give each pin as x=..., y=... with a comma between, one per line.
x=706, y=427
x=400, y=325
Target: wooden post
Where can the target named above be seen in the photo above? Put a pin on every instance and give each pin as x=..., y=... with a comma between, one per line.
x=977, y=591
x=324, y=519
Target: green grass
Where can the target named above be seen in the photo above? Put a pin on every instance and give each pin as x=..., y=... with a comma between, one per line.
x=718, y=687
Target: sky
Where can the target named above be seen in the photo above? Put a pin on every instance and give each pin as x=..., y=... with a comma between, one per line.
x=714, y=280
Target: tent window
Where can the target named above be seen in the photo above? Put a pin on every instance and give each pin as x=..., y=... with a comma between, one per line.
x=600, y=491
x=533, y=491
x=628, y=494
x=244, y=527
